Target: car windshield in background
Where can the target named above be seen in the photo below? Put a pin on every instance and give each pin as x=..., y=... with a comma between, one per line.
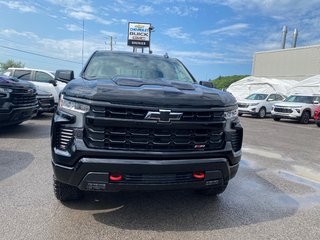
x=300, y=99
x=108, y=66
x=257, y=96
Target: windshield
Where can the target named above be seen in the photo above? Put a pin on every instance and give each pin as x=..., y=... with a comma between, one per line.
x=107, y=66
x=257, y=96
x=300, y=99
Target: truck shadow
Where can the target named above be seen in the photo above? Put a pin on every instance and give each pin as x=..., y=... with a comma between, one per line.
x=10, y=165
x=31, y=129
x=249, y=199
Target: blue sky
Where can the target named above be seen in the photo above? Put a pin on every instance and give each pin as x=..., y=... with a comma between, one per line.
x=211, y=37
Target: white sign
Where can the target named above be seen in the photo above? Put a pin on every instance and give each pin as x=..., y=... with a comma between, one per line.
x=139, y=34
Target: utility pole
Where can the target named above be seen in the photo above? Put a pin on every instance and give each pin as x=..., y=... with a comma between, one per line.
x=82, y=40
x=111, y=49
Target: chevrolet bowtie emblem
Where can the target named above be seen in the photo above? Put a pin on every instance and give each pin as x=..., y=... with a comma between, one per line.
x=164, y=115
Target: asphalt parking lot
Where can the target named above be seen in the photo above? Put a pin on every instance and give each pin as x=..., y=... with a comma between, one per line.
x=275, y=195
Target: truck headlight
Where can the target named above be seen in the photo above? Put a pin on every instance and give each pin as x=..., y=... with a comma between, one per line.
x=72, y=106
x=5, y=91
x=231, y=114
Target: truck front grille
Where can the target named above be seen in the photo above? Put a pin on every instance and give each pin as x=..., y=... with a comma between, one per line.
x=140, y=114
x=117, y=127
x=156, y=139
x=24, y=97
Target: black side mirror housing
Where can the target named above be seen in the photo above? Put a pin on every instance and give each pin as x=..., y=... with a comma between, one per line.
x=53, y=82
x=206, y=84
x=64, y=75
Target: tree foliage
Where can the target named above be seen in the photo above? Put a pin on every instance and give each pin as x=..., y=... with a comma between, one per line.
x=10, y=63
x=223, y=82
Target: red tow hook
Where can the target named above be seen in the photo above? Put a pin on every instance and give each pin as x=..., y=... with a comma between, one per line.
x=115, y=178
x=199, y=175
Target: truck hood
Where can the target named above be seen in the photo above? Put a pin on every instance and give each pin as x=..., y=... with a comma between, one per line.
x=160, y=93
x=10, y=82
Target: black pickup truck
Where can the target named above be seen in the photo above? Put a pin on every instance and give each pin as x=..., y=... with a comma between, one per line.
x=135, y=121
x=18, y=101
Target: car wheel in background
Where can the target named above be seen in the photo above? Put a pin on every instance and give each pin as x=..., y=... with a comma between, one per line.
x=262, y=113
x=305, y=117
x=276, y=119
x=239, y=114
x=318, y=123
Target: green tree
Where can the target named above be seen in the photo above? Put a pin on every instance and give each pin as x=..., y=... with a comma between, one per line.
x=10, y=63
x=223, y=82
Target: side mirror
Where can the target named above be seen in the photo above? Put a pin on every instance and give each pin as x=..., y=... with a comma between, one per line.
x=64, y=75
x=270, y=99
x=315, y=102
x=53, y=82
x=206, y=84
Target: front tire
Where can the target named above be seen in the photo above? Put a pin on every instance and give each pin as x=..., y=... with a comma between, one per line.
x=212, y=191
x=318, y=123
x=262, y=113
x=65, y=192
x=305, y=117
x=277, y=119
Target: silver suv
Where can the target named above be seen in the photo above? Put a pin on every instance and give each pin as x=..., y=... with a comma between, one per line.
x=259, y=104
x=300, y=107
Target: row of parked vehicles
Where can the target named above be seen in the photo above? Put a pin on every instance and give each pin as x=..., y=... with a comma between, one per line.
x=300, y=107
x=25, y=93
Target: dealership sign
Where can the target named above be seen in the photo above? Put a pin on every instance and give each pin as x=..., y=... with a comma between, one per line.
x=139, y=34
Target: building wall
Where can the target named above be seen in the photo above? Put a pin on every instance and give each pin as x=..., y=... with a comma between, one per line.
x=292, y=63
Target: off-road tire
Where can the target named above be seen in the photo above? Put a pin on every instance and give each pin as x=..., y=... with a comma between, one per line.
x=262, y=112
x=65, y=192
x=305, y=117
x=212, y=191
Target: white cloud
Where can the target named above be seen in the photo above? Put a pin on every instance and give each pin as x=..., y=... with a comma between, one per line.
x=109, y=33
x=145, y=10
x=230, y=30
x=13, y=33
x=182, y=11
x=273, y=8
x=177, y=33
x=73, y=27
x=21, y=6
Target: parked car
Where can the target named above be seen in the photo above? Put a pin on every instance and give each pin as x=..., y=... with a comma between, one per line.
x=259, y=104
x=46, y=102
x=18, y=101
x=136, y=121
x=43, y=79
x=317, y=116
x=300, y=107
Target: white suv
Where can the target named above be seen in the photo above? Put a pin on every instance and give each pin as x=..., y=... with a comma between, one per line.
x=298, y=106
x=259, y=104
x=43, y=79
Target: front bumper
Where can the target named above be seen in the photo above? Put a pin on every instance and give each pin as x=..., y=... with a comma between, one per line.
x=17, y=115
x=92, y=174
x=293, y=115
x=250, y=110
x=46, y=104
x=77, y=164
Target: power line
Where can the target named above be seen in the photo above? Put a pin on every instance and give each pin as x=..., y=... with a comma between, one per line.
x=38, y=54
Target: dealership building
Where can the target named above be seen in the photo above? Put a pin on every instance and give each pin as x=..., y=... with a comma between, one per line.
x=291, y=63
